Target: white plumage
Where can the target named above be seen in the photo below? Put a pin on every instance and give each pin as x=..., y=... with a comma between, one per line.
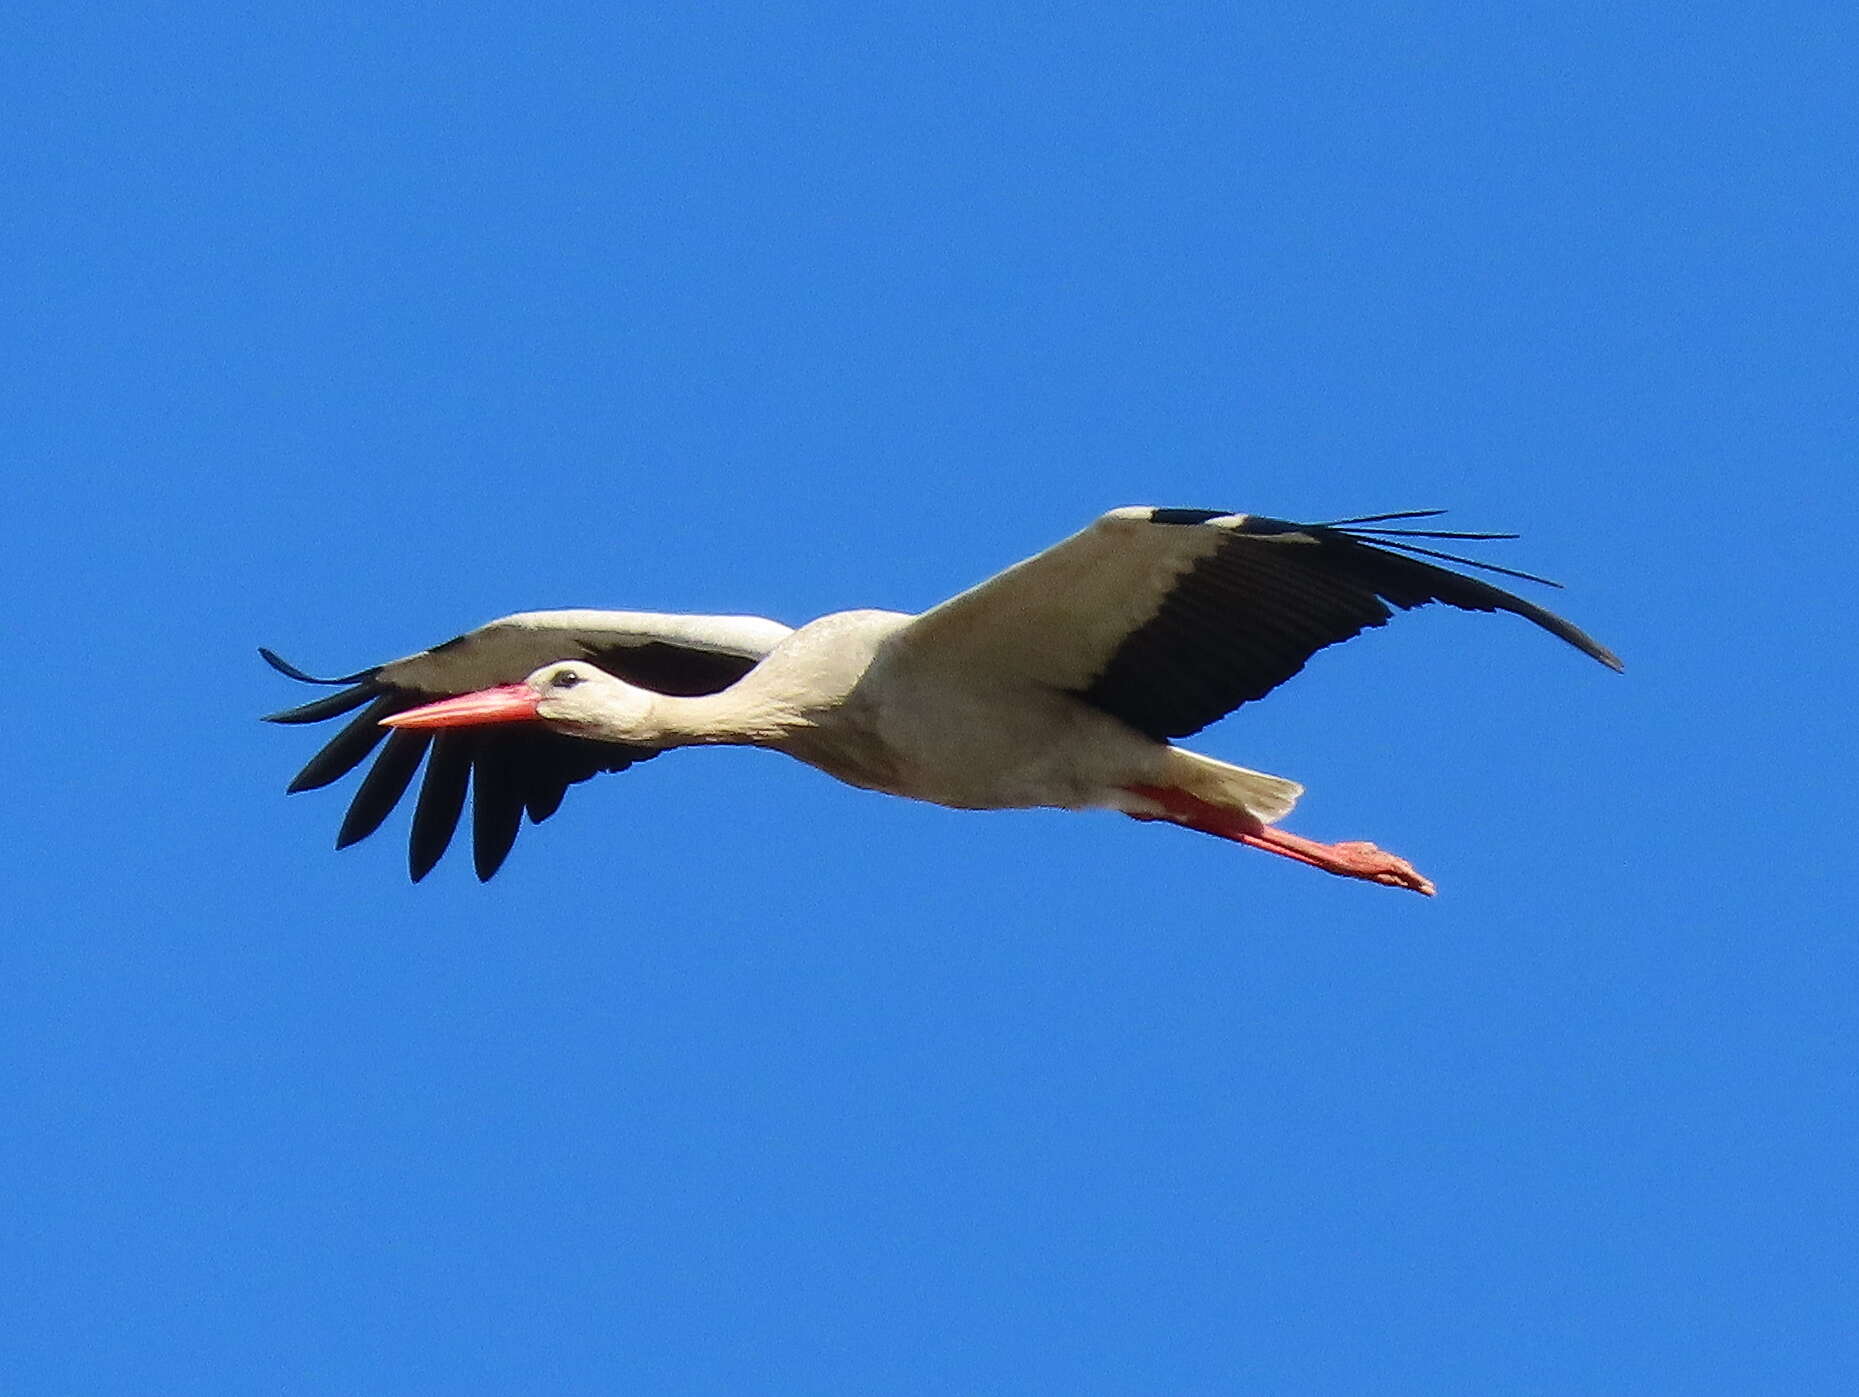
x=1059, y=682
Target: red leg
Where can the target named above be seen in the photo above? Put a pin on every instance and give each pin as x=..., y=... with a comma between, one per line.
x=1348, y=860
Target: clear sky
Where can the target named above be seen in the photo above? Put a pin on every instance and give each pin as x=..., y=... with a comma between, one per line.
x=342, y=328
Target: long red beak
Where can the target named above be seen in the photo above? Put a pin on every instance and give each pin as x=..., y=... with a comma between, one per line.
x=512, y=703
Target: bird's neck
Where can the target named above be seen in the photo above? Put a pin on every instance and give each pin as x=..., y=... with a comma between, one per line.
x=726, y=719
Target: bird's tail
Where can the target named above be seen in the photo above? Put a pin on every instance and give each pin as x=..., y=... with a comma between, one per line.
x=1267, y=798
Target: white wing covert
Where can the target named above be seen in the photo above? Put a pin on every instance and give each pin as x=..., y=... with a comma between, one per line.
x=1170, y=618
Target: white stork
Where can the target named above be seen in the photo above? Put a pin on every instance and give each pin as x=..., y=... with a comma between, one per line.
x=1059, y=682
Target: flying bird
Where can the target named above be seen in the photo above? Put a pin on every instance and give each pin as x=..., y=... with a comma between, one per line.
x=1059, y=682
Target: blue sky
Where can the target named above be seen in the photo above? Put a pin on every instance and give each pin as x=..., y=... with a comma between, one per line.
x=342, y=329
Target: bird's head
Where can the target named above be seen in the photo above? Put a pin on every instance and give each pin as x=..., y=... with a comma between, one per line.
x=568, y=696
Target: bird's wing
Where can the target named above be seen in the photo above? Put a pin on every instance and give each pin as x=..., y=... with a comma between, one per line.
x=511, y=769
x=1170, y=618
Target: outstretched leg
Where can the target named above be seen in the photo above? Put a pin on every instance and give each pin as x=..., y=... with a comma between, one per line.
x=1349, y=860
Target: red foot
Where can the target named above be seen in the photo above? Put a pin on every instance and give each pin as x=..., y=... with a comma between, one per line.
x=1352, y=859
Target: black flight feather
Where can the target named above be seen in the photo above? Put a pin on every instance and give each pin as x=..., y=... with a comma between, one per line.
x=1248, y=614
x=442, y=799
x=350, y=747
x=290, y=671
x=386, y=782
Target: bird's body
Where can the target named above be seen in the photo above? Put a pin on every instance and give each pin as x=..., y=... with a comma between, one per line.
x=866, y=709
x=1059, y=682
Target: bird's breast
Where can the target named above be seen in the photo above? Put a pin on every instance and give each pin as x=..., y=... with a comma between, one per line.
x=981, y=750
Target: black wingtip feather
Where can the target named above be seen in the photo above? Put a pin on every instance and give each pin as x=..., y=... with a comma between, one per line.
x=441, y=802
x=348, y=748
x=330, y=706
x=1415, y=548
x=1469, y=593
x=1423, y=533
x=381, y=789
x=1380, y=518
x=496, y=811
x=290, y=671
x=544, y=800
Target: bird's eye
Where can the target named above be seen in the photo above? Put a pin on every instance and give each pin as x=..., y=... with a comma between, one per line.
x=564, y=679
